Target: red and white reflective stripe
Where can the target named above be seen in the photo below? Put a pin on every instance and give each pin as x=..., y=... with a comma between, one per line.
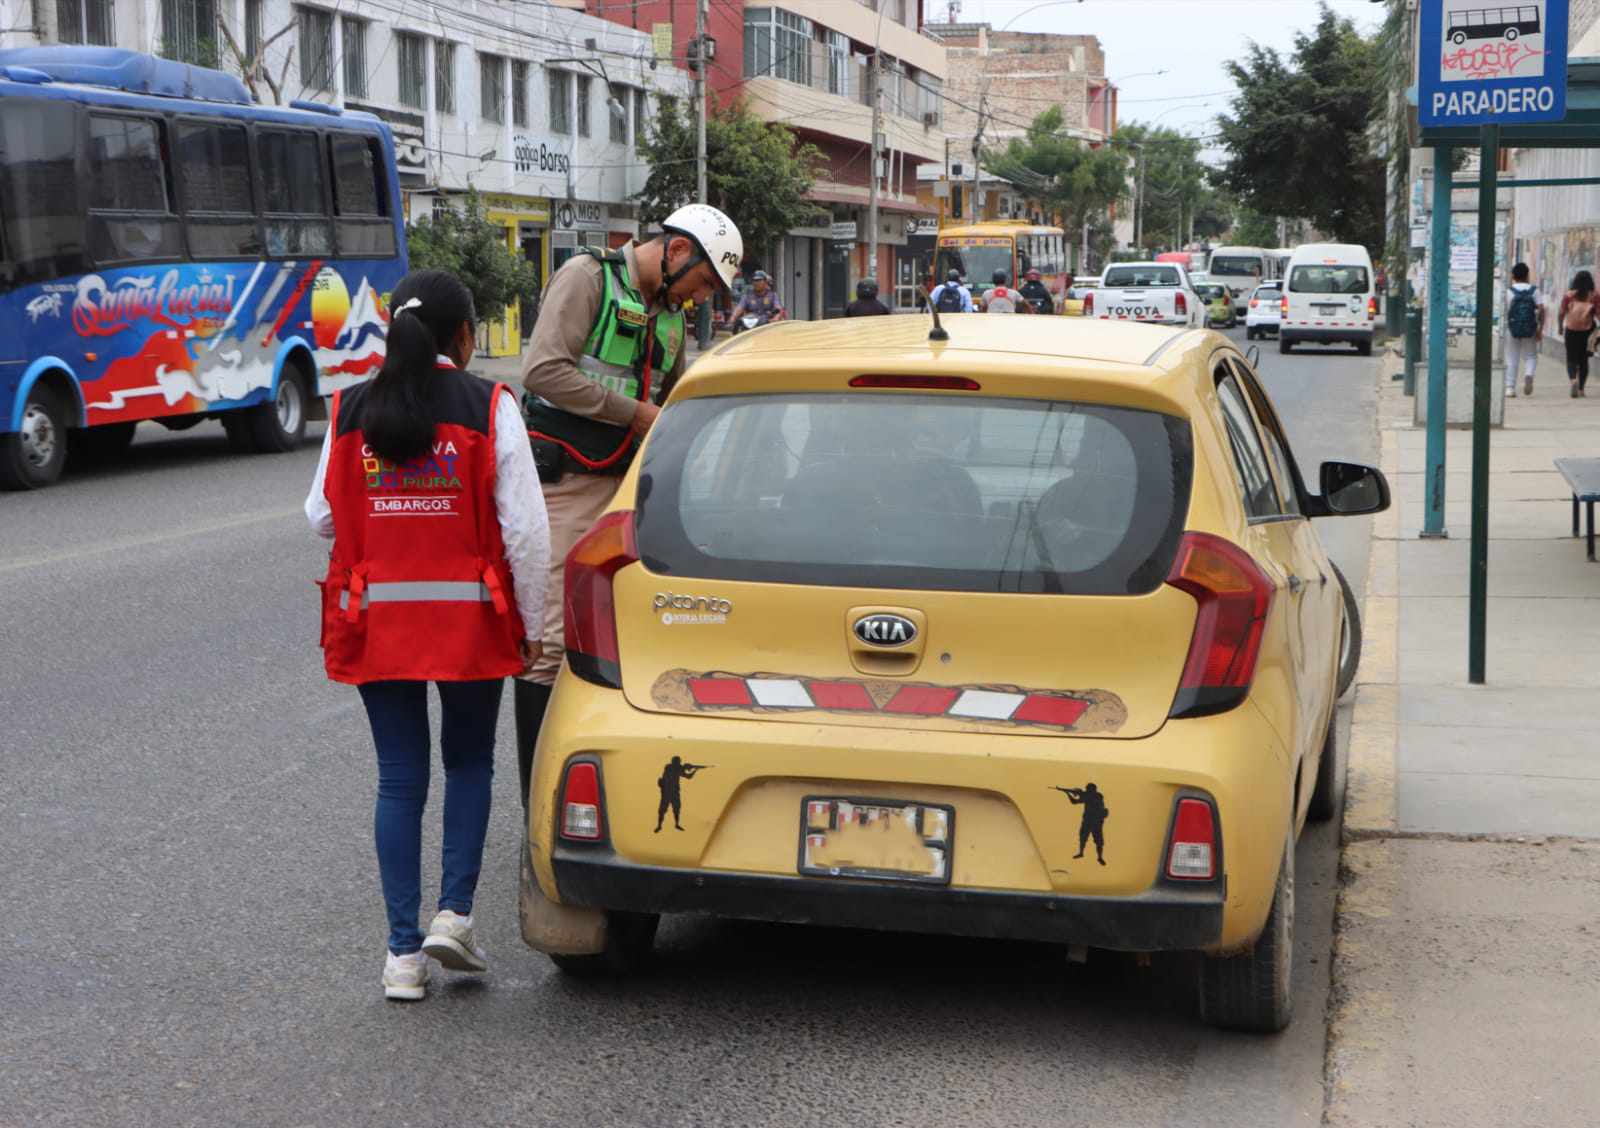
x=908, y=700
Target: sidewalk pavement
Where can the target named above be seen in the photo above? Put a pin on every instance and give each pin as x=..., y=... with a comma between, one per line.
x=1466, y=971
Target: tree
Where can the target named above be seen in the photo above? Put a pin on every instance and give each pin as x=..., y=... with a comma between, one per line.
x=1255, y=230
x=757, y=173
x=1298, y=136
x=1168, y=163
x=473, y=247
x=1072, y=181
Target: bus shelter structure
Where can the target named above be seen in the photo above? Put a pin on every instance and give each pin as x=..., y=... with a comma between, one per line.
x=1580, y=129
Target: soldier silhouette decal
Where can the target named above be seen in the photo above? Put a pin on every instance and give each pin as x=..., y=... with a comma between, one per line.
x=1094, y=818
x=672, y=774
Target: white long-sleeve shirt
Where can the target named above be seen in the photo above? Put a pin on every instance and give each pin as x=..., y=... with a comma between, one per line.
x=518, y=501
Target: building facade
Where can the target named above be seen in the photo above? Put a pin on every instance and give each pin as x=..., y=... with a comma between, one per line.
x=807, y=64
x=1013, y=76
x=538, y=107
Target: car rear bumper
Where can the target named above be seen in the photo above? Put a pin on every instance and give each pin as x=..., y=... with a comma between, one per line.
x=1164, y=919
x=1356, y=333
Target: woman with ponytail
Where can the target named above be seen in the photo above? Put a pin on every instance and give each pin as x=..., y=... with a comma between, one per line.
x=438, y=572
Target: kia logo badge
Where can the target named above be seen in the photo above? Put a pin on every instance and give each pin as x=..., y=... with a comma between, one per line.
x=885, y=630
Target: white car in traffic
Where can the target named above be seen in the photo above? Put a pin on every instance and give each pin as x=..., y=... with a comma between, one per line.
x=1264, y=310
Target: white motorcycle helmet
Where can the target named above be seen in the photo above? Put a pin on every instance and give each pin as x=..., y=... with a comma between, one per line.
x=714, y=233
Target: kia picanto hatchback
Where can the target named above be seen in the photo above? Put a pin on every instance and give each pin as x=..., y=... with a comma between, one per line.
x=1022, y=633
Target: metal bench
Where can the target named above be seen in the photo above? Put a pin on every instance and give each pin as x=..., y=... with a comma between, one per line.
x=1583, y=476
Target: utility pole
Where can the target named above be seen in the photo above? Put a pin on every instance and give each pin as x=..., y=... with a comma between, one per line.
x=977, y=151
x=700, y=56
x=1138, y=207
x=700, y=100
x=872, y=172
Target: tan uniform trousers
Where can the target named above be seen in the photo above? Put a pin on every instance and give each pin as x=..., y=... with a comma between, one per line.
x=574, y=502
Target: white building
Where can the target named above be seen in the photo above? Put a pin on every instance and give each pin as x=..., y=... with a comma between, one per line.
x=539, y=107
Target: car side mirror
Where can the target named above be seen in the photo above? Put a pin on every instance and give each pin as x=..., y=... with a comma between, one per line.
x=1349, y=488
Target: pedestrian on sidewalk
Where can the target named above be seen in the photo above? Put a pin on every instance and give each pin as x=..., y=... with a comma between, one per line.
x=1577, y=318
x=1524, y=321
x=410, y=599
x=612, y=321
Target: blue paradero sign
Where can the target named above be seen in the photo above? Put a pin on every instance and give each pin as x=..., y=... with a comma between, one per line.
x=1484, y=63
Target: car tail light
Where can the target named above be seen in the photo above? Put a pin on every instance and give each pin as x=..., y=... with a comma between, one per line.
x=1252, y=303
x=1088, y=305
x=1283, y=306
x=1180, y=304
x=580, y=802
x=1234, y=595
x=938, y=383
x=1194, y=838
x=1372, y=306
x=589, y=608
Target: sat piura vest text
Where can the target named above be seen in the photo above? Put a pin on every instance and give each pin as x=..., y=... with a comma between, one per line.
x=625, y=346
x=418, y=585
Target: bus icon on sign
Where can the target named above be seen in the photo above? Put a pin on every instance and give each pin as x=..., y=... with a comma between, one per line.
x=1493, y=23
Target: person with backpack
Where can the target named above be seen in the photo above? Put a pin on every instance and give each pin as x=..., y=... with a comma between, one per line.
x=1577, y=317
x=951, y=296
x=1003, y=299
x=1524, y=330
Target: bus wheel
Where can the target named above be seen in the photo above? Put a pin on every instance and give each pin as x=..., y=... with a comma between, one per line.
x=32, y=456
x=280, y=424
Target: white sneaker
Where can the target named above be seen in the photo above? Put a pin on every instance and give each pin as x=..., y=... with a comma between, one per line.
x=451, y=941
x=405, y=977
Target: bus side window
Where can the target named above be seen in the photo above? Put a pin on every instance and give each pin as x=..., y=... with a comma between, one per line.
x=214, y=165
x=130, y=191
x=294, y=178
x=44, y=235
x=361, y=198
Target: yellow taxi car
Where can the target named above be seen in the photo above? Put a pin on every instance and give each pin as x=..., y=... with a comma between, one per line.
x=1072, y=305
x=1024, y=632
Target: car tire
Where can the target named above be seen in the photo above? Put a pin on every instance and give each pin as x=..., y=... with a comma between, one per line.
x=32, y=457
x=1363, y=348
x=103, y=442
x=1251, y=991
x=629, y=938
x=1249, y=333
x=280, y=424
x=1328, y=791
x=1349, y=635
x=1284, y=344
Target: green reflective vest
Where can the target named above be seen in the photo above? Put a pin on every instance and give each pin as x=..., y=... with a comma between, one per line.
x=617, y=355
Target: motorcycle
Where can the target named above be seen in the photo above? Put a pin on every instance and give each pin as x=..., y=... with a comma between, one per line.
x=747, y=321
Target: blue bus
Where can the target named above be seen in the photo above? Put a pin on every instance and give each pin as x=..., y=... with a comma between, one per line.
x=170, y=250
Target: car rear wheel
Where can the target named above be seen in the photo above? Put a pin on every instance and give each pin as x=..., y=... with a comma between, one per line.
x=1349, y=635
x=629, y=938
x=1252, y=991
x=1329, y=788
x=280, y=423
x=1283, y=343
x=1249, y=333
x=1363, y=348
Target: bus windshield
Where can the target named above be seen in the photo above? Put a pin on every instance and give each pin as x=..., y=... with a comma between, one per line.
x=1235, y=266
x=977, y=259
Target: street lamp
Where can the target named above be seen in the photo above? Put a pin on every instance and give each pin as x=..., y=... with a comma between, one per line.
x=1035, y=8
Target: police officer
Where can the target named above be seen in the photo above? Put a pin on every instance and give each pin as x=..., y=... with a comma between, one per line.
x=866, y=303
x=1036, y=293
x=610, y=324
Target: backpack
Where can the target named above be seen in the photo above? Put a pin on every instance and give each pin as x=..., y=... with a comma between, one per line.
x=1002, y=300
x=949, y=300
x=1522, y=316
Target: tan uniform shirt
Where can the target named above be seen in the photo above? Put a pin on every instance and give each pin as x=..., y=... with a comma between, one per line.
x=567, y=313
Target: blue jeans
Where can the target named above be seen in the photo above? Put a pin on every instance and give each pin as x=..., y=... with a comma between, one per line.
x=398, y=712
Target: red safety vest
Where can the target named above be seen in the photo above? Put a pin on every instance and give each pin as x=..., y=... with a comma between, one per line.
x=418, y=585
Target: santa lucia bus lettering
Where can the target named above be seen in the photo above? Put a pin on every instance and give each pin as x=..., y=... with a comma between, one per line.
x=182, y=253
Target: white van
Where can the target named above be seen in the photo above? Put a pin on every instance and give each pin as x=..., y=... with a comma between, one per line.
x=1328, y=295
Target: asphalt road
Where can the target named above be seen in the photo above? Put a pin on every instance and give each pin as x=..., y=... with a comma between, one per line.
x=195, y=932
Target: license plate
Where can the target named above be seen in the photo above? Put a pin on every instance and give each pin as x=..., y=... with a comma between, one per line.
x=1135, y=312
x=889, y=840
x=1328, y=309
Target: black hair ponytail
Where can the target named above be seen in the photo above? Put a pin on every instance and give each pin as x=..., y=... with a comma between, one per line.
x=397, y=417
x=1583, y=283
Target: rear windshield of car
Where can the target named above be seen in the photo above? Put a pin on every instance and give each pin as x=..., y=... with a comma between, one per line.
x=1267, y=291
x=1211, y=293
x=915, y=491
x=1237, y=266
x=1126, y=276
x=1328, y=279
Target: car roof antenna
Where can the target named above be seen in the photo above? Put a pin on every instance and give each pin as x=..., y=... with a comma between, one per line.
x=937, y=333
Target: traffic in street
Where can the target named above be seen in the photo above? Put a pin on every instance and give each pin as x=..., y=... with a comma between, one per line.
x=188, y=807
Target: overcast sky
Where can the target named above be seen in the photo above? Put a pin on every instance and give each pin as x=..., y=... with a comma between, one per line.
x=1188, y=39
